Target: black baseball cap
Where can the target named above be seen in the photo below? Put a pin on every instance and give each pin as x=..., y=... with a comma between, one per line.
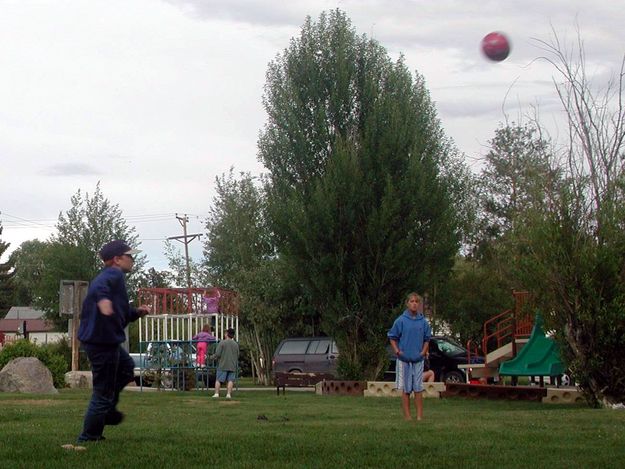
x=116, y=248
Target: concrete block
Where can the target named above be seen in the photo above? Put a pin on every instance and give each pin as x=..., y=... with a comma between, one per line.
x=563, y=396
x=343, y=388
x=381, y=389
x=387, y=389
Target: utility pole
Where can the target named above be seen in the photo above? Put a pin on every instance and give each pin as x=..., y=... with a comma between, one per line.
x=185, y=239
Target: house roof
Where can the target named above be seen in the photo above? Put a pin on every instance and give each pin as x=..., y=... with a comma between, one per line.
x=32, y=325
x=24, y=312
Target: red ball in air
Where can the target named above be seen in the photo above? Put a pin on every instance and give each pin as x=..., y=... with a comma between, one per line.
x=496, y=46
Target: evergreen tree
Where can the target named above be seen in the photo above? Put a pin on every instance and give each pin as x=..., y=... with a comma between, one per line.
x=7, y=287
x=362, y=186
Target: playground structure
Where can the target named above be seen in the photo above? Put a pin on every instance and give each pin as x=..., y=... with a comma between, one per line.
x=166, y=345
x=511, y=346
x=180, y=313
x=539, y=357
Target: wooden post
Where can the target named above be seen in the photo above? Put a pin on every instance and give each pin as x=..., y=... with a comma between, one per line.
x=75, y=321
x=72, y=294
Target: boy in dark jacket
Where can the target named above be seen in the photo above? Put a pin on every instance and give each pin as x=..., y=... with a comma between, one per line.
x=104, y=316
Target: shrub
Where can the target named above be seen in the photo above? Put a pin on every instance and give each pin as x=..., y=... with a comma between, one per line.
x=63, y=348
x=23, y=348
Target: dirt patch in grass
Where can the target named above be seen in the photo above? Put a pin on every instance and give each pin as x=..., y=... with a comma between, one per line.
x=194, y=401
x=221, y=401
x=35, y=402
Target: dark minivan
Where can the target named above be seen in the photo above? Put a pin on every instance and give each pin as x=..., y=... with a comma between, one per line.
x=306, y=355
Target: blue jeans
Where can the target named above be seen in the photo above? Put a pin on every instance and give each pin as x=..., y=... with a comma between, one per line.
x=112, y=370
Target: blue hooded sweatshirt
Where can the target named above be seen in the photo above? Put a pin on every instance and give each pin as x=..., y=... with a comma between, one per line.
x=96, y=328
x=410, y=332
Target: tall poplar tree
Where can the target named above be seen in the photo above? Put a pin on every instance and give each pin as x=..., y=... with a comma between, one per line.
x=364, y=188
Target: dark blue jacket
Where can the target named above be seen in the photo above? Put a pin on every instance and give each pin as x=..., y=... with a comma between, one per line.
x=96, y=328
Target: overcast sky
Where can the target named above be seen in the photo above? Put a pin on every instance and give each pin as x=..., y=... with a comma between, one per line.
x=155, y=98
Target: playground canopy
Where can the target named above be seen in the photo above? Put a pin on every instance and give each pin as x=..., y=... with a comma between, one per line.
x=180, y=313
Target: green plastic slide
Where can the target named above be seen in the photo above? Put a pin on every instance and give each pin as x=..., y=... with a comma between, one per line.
x=539, y=357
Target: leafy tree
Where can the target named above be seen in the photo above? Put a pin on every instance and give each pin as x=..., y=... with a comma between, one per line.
x=60, y=262
x=564, y=241
x=91, y=222
x=6, y=281
x=239, y=255
x=517, y=176
x=178, y=267
x=362, y=184
x=72, y=254
x=576, y=247
x=29, y=267
x=153, y=278
x=474, y=294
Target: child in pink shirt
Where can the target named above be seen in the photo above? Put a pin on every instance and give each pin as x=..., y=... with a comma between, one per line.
x=203, y=337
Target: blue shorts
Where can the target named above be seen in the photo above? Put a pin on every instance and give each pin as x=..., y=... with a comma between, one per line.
x=409, y=376
x=225, y=376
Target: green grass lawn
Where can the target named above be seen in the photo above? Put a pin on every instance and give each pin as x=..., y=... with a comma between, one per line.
x=176, y=429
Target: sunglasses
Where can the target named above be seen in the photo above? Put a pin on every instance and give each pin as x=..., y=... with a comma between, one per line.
x=129, y=256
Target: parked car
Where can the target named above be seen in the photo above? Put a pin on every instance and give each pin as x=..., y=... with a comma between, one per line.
x=445, y=356
x=306, y=355
x=320, y=355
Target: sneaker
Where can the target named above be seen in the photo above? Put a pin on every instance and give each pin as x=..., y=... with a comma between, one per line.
x=215, y=395
x=228, y=396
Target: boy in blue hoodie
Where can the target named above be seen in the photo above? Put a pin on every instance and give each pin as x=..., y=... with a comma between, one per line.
x=410, y=339
x=104, y=316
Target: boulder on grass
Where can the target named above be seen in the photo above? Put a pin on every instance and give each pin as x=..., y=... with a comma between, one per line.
x=26, y=375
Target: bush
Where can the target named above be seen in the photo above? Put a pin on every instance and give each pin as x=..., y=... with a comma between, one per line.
x=245, y=362
x=64, y=348
x=23, y=348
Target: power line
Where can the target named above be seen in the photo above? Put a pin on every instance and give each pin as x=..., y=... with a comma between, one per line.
x=23, y=222
x=14, y=222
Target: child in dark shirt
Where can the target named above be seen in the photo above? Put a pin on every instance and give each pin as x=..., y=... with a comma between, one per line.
x=104, y=316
